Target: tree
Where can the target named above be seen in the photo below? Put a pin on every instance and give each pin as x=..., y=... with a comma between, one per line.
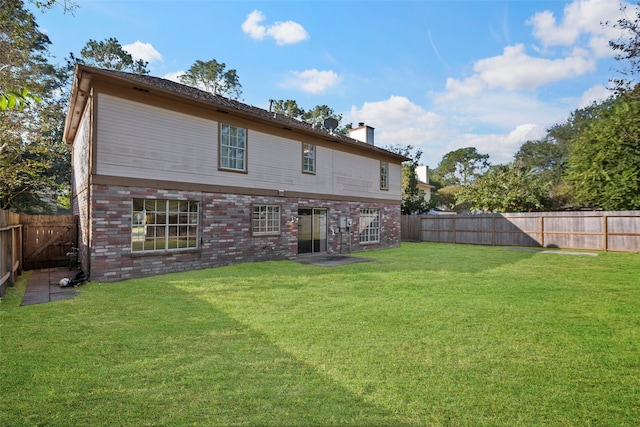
x=213, y=77
x=413, y=201
x=603, y=168
x=109, y=54
x=319, y=113
x=506, y=188
x=627, y=48
x=34, y=162
x=287, y=108
x=461, y=166
x=67, y=5
x=17, y=100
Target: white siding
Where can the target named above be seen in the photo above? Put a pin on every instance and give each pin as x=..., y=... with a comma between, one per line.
x=141, y=141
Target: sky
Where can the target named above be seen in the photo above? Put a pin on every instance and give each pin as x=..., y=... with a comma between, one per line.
x=436, y=75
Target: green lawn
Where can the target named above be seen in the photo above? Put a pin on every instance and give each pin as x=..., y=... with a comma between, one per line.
x=428, y=334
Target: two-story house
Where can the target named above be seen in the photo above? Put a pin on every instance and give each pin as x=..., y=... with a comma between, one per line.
x=170, y=178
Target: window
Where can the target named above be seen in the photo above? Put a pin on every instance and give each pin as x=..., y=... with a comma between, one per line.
x=308, y=158
x=233, y=148
x=384, y=175
x=158, y=225
x=265, y=220
x=369, y=225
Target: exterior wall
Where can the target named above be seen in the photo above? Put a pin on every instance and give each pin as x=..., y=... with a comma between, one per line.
x=224, y=231
x=144, y=141
x=80, y=185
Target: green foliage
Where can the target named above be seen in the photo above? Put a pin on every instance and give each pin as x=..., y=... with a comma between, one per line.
x=461, y=166
x=109, y=54
x=506, y=188
x=425, y=335
x=17, y=99
x=315, y=116
x=213, y=77
x=319, y=113
x=604, y=160
x=67, y=5
x=627, y=48
x=413, y=201
x=287, y=108
x=446, y=197
x=34, y=161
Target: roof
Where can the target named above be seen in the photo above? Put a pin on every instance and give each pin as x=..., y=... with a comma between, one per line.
x=146, y=83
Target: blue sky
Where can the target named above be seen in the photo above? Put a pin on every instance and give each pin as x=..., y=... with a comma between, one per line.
x=438, y=75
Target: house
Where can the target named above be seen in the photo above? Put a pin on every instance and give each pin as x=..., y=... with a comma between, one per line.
x=422, y=173
x=170, y=178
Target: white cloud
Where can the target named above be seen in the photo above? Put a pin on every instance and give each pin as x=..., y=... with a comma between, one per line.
x=500, y=147
x=507, y=119
x=581, y=18
x=399, y=121
x=596, y=93
x=144, y=51
x=288, y=32
x=252, y=27
x=175, y=76
x=514, y=70
x=312, y=81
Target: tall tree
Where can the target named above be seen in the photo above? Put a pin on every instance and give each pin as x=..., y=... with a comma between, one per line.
x=604, y=160
x=66, y=5
x=506, y=188
x=461, y=166
x=319, y=113
x=627, y=49
x=288, y=108
x=413, y=201
x=32, y=153
x=109, y=54
x=213, y=77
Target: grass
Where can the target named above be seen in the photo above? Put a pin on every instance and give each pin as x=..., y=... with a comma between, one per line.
x=428, y=334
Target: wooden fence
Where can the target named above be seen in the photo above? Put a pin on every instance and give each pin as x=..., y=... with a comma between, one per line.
x=10, y=249
x=603, y=231
x=47, y=239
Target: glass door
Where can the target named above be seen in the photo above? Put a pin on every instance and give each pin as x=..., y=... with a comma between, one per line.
x=312, y=230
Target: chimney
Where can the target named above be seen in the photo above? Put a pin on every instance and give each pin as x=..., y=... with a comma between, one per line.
x=362, y=133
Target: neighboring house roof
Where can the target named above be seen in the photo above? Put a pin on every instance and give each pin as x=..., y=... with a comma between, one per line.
x=162, y=87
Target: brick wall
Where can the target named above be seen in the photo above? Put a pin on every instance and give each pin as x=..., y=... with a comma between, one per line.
x=225, y=232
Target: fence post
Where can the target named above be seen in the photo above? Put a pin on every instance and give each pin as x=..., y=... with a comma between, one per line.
x=605, y=233
x=455, y=225
x=542, y=230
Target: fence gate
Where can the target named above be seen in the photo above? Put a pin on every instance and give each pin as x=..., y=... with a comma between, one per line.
x=47, y=239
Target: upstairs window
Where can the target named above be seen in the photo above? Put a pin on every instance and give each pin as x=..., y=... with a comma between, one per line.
x=161, y=225
x=384, y=175
x=308, y=158
x=233, y=148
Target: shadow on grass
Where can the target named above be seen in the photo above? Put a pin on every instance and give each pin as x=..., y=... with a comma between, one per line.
x=156, y=355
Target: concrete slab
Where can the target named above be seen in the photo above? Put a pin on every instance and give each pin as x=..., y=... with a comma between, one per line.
x=327, y=260
x=44, y=286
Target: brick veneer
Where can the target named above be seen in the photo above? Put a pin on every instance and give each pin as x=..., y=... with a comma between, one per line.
x=224, y=230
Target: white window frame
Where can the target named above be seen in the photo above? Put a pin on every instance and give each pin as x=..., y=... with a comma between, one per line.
x=265, y=220
x=233, y=148
x=369, y=225
x=308, y=158
x=384, y=175
x=164, y=225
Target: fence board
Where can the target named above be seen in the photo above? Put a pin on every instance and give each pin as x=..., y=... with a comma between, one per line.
x=10, y=249
x=48, y=239
x=606, y=231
